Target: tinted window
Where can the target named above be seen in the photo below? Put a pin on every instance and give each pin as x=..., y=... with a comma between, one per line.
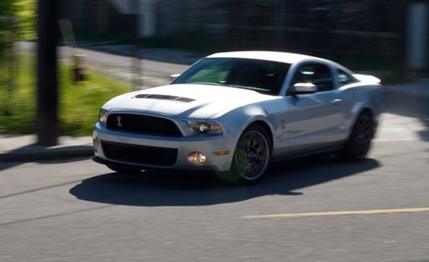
x=344, y=78
x=259, y=75
x=317, y=74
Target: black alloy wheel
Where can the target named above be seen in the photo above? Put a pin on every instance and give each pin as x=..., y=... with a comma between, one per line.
x=252, y=155
x=359, y=142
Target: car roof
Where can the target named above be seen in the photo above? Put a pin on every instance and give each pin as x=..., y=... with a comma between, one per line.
x=283, y=57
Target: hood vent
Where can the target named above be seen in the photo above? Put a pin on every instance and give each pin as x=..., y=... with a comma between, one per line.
x=166, y=97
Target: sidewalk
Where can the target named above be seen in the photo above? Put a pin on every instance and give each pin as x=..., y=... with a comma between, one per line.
x=18, y=148
x=156, y=64
x=420, y=89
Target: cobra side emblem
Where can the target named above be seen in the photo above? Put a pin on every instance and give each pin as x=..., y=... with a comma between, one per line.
x=118, y=121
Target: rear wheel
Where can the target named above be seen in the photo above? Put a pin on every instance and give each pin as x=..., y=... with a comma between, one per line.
x=252, y=156
x=359, y=142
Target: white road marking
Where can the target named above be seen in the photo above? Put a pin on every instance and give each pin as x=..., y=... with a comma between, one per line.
x=340, y=213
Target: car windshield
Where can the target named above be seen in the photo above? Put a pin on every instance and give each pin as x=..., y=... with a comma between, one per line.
x=259, y=75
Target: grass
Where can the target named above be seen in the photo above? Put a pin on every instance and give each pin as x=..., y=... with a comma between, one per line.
x=79, y=104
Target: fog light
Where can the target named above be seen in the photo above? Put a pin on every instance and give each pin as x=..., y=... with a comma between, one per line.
x=197, y=158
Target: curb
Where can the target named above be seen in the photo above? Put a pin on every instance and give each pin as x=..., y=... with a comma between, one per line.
x=47, y=154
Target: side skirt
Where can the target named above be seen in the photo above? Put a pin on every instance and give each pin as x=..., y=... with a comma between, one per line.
x=324, y=150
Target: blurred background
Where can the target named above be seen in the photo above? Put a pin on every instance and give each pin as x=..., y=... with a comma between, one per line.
x=107, y=47
x=364, y=34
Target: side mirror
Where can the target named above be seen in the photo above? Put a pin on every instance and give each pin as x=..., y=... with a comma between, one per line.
x=174, y=76
x=303, y=88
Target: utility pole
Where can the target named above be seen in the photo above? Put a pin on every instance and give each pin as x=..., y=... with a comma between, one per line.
x=47, y=82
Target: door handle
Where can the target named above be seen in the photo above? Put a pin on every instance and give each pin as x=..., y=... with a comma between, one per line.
x=336, y=101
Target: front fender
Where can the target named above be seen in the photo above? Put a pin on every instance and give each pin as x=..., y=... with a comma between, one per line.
x=235, y=122
x=238, y=120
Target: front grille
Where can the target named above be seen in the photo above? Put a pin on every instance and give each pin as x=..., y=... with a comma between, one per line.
x=145, y=155
x=142, y=124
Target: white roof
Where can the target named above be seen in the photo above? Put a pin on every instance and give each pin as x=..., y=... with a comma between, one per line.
x=283, y=57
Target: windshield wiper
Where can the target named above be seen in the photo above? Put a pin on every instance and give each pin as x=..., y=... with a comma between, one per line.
x=205, y=83
x=224, y=83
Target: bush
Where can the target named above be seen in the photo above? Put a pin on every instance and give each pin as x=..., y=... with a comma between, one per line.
x=78, y=106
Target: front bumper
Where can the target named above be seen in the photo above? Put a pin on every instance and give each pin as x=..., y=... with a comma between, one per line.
x=209, y=146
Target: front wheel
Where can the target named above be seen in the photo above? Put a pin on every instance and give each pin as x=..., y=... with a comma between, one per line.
x=357, y=146
x=252, y=156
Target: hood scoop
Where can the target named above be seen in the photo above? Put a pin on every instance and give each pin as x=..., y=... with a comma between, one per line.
x=165, y=97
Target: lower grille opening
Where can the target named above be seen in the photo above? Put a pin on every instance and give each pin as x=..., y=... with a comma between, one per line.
x=145, y=155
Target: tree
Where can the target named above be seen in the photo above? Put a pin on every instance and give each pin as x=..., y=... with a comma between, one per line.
x=47, y=82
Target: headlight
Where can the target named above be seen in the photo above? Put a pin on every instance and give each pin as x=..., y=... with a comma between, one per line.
x=205, y=128
x=102, y=118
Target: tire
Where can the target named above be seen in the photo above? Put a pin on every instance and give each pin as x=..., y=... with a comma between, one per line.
x=123, y=169
x=359, y=142
x=252, y=156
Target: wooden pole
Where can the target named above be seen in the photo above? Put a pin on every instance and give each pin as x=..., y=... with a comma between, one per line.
x=47, y=83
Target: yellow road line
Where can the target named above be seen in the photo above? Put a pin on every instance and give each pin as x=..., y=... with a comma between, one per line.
x=341, y=213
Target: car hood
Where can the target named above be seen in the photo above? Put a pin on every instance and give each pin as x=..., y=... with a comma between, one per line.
x=187, y=100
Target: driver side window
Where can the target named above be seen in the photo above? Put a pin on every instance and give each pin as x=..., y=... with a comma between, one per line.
x=318, y=74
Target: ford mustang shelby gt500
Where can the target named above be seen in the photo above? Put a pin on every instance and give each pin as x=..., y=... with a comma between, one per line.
x=237, y=112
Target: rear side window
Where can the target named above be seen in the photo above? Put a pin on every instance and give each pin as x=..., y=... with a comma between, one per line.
x=344, y=78
x=317, y=74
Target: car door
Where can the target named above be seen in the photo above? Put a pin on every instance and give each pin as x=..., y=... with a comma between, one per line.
x=312, y=121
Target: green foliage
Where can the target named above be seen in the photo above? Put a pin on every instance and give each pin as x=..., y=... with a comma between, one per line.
x=80, y=103
x=26, y=17
x=24, y=13
x=7, y=8
x=78, y=106
x=18, y=111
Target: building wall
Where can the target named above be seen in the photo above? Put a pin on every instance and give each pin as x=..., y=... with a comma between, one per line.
x=96, y=17
x=188, y=16
x=344, y=28
x=373, y=25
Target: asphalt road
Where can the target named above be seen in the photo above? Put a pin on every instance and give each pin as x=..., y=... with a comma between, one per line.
x=313, y=209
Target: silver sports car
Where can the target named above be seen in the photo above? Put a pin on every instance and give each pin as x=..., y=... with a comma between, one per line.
x=233, y=113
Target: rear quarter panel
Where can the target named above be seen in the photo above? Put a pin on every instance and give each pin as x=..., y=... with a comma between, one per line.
x=362, y=96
